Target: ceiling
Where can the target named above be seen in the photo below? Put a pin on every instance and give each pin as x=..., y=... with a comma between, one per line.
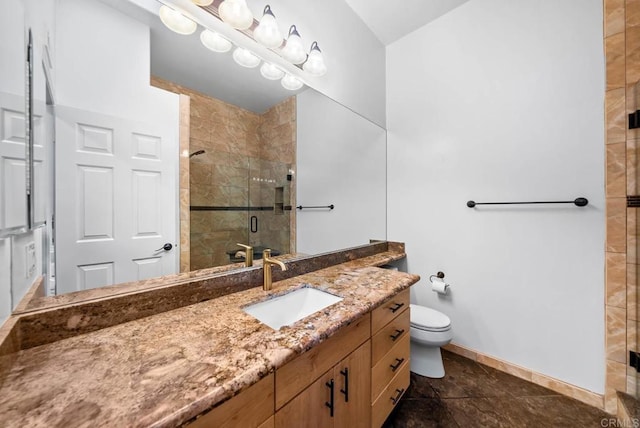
x=392, y=20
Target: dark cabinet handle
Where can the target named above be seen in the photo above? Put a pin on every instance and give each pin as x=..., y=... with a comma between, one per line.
x=345, y=391
x=395, y=337
x=254, y=224
x=398, y=395
x=166, y=247
x=395, y=366
x=396, y=307
x=329, y=404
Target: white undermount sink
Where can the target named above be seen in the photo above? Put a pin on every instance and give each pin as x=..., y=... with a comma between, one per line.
x=291, y=307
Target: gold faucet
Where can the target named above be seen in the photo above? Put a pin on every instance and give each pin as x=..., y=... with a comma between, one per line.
x=248, y=254
x=266, y=267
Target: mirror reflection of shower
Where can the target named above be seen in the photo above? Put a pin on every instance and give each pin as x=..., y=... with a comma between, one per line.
x=228, y=146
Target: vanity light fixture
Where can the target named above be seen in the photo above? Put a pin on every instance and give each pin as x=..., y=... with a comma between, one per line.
x=176, y=21
x=214, y=41
x=271, y=72
x=236, y=13
x=315, y=65
x=293, y=51
x=245, y=58
x=290, y=82
x=267, y=32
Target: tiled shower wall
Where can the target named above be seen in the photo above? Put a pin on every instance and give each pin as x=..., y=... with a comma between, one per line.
x=622, y=50
x=246, y=157
x=277, y=137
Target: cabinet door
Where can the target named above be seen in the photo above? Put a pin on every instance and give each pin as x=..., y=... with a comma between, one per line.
x=309, y=409
x=353, y=382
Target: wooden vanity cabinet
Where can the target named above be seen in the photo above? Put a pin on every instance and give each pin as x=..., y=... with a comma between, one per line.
x=353, y=379
x=330, y=385
x=339, y=398
x=390, y=332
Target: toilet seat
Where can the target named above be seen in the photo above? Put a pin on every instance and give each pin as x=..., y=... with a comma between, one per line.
x=427, y=319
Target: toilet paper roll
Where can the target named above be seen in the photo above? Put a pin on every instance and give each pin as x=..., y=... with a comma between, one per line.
x=440, y=287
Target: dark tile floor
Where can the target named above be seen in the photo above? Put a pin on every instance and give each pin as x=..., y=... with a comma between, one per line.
x=474, y=395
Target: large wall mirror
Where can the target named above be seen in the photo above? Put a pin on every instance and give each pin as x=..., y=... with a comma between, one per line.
x=168, y=154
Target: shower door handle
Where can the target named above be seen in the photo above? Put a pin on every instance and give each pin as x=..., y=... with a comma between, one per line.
x=254, y=224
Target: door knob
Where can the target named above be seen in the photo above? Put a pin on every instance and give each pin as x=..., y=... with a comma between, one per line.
x=166, y=247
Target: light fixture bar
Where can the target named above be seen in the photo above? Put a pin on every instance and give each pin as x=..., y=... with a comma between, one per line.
x=312, y=63
x=213, y=10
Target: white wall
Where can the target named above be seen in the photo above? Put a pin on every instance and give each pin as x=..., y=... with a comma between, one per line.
x=106, y=70
x=503, y=101
x=355, y=57
x=12, y=48
x=341, y=160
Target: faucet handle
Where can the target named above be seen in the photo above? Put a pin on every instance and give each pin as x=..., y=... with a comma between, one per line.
x=266, y=253
x=248, y=259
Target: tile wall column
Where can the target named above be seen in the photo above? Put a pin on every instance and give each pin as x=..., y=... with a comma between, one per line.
x=622, y=51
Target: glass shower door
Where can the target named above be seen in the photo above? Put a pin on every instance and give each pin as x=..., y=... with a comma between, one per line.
x=219, y=207
x=270, y=206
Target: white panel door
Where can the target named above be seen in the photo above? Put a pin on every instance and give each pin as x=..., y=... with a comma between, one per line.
x=13, y=200
x=116, y=200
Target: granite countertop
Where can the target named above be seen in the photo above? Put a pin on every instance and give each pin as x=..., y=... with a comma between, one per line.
x=165, y=369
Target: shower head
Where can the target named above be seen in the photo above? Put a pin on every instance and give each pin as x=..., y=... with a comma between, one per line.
x=199, y=152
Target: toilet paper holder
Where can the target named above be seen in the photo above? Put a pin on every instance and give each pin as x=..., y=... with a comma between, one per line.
x=437, y=275
x=438, y=285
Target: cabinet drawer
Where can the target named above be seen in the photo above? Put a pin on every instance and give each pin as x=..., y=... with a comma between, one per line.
x=296, y=375
x=232, y=413
x=389, y=365
x=389, y=310
x=389, y=335
x=389, y=397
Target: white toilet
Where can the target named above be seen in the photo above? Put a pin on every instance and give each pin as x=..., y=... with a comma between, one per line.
x=430, y=330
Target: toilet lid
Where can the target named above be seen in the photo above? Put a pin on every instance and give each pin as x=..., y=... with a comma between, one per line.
x=424, y=318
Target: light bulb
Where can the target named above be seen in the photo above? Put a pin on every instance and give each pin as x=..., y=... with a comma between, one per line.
x=245, y=58
x=267, y=32
x=293, y=51
x=175, y=21
x=202, y=2
x=236, y=13
x=315, y=65
x=214, y=41
x=291, y=83
x=271, y=72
